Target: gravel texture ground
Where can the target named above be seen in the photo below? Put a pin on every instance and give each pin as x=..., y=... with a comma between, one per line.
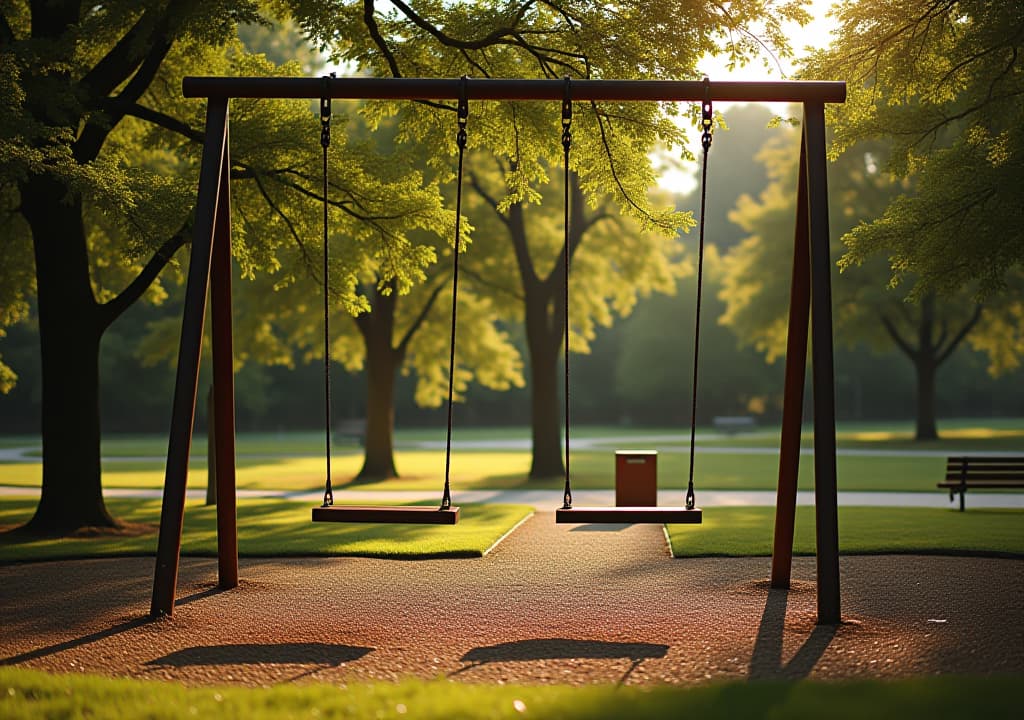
x=550, y=604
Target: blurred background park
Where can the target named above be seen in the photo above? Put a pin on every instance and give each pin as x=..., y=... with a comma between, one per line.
x=925, y=159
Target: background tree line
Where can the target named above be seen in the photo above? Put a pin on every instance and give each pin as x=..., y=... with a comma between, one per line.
x=637, y=371
x=98, y=180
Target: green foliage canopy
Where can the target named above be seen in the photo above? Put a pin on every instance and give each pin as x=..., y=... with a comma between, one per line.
x=943, y=80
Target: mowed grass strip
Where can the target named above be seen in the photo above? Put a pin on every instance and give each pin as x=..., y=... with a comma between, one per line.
x=266, y=528
x=28, y=694
x=497, y=470
x=748, y=531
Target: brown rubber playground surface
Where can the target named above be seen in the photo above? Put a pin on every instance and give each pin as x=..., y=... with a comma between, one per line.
x=551, y=604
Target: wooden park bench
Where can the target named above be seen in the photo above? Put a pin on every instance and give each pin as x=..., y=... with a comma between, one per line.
x=734, y=423
x=353, y=429
x=991, y=472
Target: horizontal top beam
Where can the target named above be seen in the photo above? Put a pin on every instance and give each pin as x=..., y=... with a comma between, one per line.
x=364, y=88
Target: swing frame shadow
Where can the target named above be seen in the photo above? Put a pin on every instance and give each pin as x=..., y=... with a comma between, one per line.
x=209, y=273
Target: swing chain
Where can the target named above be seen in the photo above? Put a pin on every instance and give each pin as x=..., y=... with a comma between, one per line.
x=706, y=117
x=460, y=140
x=325, y=112
x=566, y=144
x=463, y=113
x=705, y=141
x=325, y=141
x=567, y=115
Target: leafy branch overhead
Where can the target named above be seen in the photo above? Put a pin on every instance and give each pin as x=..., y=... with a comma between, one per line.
x=943, y=80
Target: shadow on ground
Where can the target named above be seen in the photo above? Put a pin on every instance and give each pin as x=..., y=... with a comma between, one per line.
x=562, y=649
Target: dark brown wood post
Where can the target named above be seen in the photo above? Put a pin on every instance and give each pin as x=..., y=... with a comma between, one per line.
x=223, y=380
x=793, y=397
x=172, y=514
x=825, y=486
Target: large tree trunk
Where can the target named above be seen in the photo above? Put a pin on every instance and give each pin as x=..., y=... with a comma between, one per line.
x=69, y=332
x=926, y=427
x=379, y=456
x=545, y=425
x=382, y=361
x=543, y=338
x=926, y=363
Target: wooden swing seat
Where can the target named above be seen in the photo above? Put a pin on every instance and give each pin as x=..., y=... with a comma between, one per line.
x=410, y=514
x=629, y=514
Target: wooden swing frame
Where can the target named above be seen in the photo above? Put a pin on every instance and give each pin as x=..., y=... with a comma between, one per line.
x=210, y=274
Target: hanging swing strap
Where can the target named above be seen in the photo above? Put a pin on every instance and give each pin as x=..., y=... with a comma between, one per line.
x=566, y=144
x=460, y=141
x=705, y=141
x=325, y=141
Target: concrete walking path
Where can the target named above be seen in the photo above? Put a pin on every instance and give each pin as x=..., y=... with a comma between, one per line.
x=549, y=499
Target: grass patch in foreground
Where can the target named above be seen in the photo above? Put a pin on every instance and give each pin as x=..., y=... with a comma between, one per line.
x=747, y=531
x=31, y=694
x=266, y=528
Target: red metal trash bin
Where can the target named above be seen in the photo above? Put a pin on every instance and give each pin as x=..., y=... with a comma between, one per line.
x=636, y=478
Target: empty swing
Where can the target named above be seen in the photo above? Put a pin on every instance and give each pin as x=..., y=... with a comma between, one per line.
x=446, y=514
x=688, y=514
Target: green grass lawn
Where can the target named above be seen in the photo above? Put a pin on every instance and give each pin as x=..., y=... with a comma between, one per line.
x=292, y=461
x=27, y=694
x=990, y=434
x=423, y=470
x=267, y=528
x=282, y=528
x=738, y=531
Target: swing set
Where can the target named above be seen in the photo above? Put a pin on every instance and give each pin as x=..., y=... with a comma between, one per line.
x=210, y=272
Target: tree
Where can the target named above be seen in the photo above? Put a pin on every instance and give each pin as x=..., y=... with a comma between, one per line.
x=612, y=141
x=942, y=80
x=615, y=261
x=756, y=289
x=90, y=86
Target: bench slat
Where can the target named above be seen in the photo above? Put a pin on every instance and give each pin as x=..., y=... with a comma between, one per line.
x=986, y=462
x=988, y=475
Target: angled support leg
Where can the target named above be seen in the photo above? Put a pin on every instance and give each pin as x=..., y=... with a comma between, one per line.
x=793, y=397
x=172, y=514
x=823, y=374
x=224, y=380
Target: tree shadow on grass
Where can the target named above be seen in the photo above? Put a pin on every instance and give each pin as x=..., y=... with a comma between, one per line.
x=320, y=655
x=562, y=649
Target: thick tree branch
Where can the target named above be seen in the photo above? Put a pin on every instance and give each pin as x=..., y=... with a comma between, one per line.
x=96, y=130
x=119, y=64
x=6, y=33
x=364, y=324
x=156, y=117
x=371, y=25
x=421, y=317
x=944, y=353
x=517, y=234
x=111, y=310
x=903, y=345
x=490, y=39
x=478, y=187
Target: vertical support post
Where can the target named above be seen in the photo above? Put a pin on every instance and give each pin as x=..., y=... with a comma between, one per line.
x=223, y=379
x=793, y=396
x=823, y=375
x=172, y=514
